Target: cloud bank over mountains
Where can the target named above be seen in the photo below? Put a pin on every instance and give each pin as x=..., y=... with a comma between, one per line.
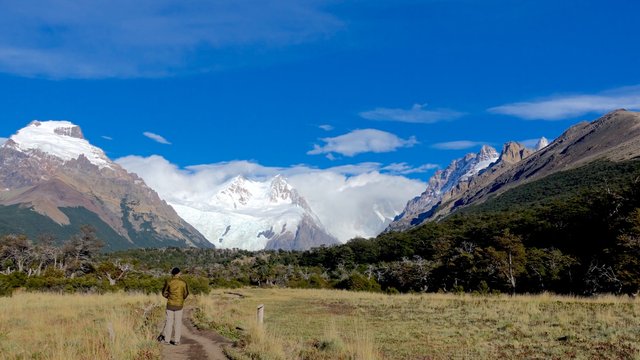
x=354, y=200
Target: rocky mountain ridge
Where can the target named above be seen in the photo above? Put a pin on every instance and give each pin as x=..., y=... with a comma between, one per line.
x=615, y=136
x=442, y=182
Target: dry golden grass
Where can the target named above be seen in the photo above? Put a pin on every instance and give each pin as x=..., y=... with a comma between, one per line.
x=63, y=327
x=325, y=324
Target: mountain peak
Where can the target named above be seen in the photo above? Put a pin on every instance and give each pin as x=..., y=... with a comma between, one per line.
x=59, y=127
x=280, y=189
x=57, y=138
x=487, y=152
x=542, y=143
x=513, y=152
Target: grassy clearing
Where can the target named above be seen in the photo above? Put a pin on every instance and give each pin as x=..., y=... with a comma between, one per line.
x=55, y=326
x=328, y=324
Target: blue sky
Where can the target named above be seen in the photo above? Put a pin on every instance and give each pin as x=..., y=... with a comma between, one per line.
x=403, y=87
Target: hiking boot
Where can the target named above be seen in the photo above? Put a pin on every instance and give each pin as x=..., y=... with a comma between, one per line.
x=174, y=342
x=160, y=338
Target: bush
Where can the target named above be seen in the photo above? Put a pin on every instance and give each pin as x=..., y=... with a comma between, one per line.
x=392, y=291
x=315, y=281
x=226, y=284
x=359, y=282
x=84, y=284
x=5, y=287
x=16, y=279
x=144, y=283
x=197, y=284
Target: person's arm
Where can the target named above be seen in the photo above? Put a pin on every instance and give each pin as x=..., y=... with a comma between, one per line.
x=186, y=289
x=165, y=289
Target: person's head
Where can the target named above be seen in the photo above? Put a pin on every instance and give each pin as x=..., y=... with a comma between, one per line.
x=175, y=271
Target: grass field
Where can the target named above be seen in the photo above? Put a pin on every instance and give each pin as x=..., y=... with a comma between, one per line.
x=325, y=324
x=328, y=324
x=63, y=327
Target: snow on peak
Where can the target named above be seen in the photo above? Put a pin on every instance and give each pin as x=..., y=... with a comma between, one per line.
x=280, y=190
x=478, y=162
x=244, y=193
x=61, y=139
x=542, y=143
x=248, y=213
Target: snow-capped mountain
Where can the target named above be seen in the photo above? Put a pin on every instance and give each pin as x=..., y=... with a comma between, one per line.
x=255, y=215
x=58, y=140
x=459, y=171
x=48, y=169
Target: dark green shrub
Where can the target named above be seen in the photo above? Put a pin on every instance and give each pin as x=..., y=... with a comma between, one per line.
x=144, y=283
x=197, y=284
x=5, y=288
x=16, y=279
x=392, y=291
x=226, y=284
x=359, y=282
x=315, y=281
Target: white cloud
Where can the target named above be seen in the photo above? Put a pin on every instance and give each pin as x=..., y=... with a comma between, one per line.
x=353, y=200
x=148, y=38
x=571, y=106
x=360, y=205
x=405, y=169
x=362, y=141
x=417, y=114
x=3, y=140
x=326, y=127
x=457, y=145
x=156, y=138
x=106, y=137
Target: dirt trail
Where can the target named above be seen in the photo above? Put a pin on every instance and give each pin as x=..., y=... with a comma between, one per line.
x=195, y=344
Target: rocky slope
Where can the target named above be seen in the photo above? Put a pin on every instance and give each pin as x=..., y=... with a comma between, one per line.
x=49, y=167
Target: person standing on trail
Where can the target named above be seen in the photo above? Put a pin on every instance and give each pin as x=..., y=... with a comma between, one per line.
x=176, y=291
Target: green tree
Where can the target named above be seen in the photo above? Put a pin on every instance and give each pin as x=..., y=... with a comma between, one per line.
x=509, y=257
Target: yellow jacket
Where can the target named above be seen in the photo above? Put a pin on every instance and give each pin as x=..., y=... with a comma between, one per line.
x=175, y=290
